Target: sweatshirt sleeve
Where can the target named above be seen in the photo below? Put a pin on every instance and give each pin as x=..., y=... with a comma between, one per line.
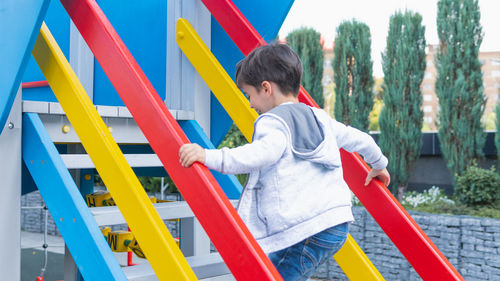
x=354, y=140
x=267, y=148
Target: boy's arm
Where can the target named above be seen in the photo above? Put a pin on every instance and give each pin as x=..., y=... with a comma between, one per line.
x=267, y=147
x=354, y=140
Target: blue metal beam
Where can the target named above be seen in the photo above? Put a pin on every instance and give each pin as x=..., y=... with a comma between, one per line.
x=20, y=22
x=78, y=227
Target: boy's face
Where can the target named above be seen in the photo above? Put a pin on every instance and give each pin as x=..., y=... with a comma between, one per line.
x=259, y=99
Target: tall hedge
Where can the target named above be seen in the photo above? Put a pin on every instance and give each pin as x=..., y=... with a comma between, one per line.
x=459, y=85
x=306, y=43
x=352, y=67
x=401, y=118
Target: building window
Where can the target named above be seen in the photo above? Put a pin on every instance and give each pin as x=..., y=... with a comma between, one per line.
x=495, y=62
x=427, y=87
x=428, y=75
x=427, y=97
x=429, y=63
x=428, y=119
x=428, y=108
x=495, y=73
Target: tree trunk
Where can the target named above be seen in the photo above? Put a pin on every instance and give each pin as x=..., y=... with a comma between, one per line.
x=401, y=191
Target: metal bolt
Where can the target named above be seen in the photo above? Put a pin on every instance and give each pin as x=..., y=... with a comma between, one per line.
x=11, y=125
x=66, y=129
x=180, y=34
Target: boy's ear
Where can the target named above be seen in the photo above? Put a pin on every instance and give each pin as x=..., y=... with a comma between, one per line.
x=266, y=86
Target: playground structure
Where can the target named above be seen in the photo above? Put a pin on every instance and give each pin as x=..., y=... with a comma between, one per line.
x=150, y=115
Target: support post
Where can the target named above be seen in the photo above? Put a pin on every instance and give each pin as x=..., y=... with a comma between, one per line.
x=193, y=239
x=10, y=187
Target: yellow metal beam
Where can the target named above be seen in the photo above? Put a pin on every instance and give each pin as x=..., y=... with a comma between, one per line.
x=355, y=263
x=350, y=258
x=155, y=239
x=214, y=75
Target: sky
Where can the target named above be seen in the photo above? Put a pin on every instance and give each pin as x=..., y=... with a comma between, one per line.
x=325, y=15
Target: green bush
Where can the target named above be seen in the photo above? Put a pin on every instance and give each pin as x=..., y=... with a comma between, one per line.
x=477, y=186
x=235, y=138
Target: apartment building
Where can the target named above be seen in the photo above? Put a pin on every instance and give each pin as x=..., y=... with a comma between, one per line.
x=490, y=68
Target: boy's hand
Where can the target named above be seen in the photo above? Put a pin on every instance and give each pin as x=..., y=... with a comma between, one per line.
x=382, y=175
x=190, y=153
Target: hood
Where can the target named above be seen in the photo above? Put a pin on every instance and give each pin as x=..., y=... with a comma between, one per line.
x=307, y=134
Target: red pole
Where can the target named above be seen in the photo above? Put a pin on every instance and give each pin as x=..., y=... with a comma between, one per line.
x=129, y=257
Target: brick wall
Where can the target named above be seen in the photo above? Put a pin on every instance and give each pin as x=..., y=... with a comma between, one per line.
x=471, y=244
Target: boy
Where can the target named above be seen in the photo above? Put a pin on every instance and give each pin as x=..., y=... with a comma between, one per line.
x=295, y=202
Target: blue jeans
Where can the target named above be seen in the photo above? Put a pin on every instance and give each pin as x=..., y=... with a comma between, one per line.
x=300, y=261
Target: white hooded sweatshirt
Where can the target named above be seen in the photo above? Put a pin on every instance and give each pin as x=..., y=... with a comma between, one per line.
x=295, y=187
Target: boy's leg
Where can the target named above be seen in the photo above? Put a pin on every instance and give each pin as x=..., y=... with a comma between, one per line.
x=287, y=261
x=300, y=261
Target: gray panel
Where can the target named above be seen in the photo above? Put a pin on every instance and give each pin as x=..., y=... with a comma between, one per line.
x=186, y=91
x=70, y=268
x=35, y=106
x=83, y=161
x=206, y=266
x=118, y=118
x=201, y=91
x=193, y=239
x=173, y=79
x=81, y=60
x=10, y=200
x=124, y=130
x=171, y=210
x=187, y=70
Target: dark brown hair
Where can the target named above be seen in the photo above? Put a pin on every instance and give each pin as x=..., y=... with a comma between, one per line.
x=276, y=63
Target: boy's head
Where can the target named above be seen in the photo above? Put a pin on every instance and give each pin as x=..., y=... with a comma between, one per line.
x=276, y=63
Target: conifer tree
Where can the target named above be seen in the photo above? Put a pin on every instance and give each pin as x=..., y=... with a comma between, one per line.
x=459, y=85
x=352, y=67
x=401, y=118
x=306, y=43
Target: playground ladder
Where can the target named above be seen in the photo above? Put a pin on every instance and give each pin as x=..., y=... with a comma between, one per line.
x=84, y=116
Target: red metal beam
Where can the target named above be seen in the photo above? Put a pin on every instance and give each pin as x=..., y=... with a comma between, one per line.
x=238, y=248
x=35, y=84
x=404, y=232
